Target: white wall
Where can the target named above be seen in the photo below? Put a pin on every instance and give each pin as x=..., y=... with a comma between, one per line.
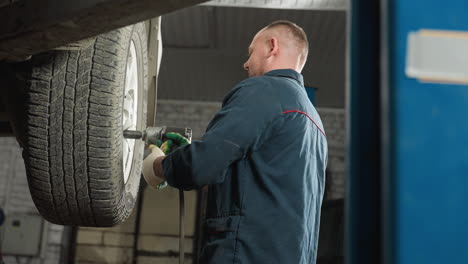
x=15, y=199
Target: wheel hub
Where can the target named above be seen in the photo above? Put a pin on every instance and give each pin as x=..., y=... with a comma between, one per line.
x=130, y=109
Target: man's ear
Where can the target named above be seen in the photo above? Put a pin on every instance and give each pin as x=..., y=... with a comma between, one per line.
x=273, y=46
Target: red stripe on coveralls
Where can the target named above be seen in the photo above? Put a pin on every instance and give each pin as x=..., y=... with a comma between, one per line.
x=313, y=121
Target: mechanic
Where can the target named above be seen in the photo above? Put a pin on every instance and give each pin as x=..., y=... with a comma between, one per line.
x=263, y=157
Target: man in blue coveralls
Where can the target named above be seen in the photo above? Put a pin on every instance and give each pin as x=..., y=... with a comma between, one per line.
x=263, y=157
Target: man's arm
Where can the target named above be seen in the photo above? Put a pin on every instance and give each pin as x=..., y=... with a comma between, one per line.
x=231, y=133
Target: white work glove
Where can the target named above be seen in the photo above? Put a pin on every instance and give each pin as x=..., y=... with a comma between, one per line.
x=153, y=180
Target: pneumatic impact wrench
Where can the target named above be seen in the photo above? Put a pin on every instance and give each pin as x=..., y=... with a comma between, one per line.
x=151, y=136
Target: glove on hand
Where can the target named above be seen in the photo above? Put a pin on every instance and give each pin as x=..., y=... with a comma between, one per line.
x=174, y=140
x=150, y=176
x=162, y=149
x=166, y=147
x=177, y=138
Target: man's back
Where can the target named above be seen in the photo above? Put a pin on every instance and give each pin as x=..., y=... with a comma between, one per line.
x=267, y=209
x=263, y=156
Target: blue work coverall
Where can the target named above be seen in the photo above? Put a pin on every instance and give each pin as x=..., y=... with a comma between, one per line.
x=263, y=156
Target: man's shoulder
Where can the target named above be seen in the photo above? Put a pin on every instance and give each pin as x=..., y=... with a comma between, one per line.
x=252, y=91
x=251, y=86
x=256, y=82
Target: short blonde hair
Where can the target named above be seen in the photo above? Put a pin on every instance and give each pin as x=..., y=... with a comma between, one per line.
x=297, y=32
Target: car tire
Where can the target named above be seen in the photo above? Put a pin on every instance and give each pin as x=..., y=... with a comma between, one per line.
x=80, y=169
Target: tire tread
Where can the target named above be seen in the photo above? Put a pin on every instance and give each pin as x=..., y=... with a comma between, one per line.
x=73, y=147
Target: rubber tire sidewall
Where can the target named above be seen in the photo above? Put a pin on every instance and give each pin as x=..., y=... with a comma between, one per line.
x=138, y=36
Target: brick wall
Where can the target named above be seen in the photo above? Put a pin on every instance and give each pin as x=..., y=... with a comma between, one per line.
x=158, y=240
x=160, y=226
x=15, y=199
x=193, y=114
x=106, y=245
x=198, y=114
x=333, y=120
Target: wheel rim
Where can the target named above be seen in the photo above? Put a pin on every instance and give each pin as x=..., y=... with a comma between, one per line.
x=130, y=109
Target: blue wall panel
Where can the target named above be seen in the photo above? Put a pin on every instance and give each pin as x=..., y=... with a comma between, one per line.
x=429, y=124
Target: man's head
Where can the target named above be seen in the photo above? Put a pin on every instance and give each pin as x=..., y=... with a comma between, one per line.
x=280, y=45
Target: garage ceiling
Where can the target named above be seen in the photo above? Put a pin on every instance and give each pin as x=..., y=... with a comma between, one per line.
x=284, y=4
x=205, y=47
